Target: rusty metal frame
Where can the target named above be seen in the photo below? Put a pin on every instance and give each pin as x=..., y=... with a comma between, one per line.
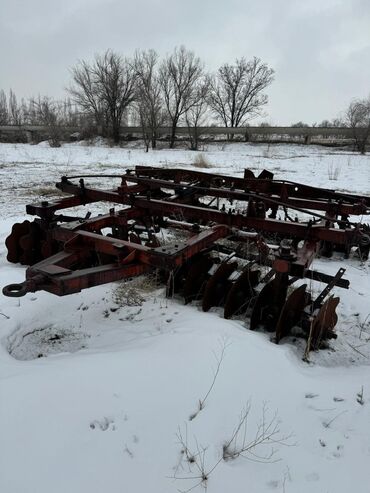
x=144, y=193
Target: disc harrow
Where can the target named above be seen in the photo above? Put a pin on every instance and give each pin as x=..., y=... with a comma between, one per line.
x=243, y=245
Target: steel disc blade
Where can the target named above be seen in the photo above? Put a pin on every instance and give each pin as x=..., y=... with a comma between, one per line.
x=291, y=312
x=241, y=292
x=248, y=174
x=324, y=322
x=12, y=241
x=177, y=278
x=196, y=277
x=262, y=301
x=134, y=238
x=269, y=303
x=218, y=285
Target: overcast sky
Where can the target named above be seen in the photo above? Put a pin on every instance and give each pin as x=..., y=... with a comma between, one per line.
x=319, y=49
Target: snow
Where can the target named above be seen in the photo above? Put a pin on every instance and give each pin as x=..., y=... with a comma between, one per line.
x=96, y=388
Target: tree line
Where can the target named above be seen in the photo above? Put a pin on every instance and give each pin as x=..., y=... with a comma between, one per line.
x=150, y=92
x=177, y=89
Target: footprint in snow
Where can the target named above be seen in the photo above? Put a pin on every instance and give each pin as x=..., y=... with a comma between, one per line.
x=337, y=453
x=127, y=450
x=103, y=424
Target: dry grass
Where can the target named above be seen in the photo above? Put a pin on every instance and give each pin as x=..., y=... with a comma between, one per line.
x=132, y=293
x=46, y=191
x=333, y=171
x=201, y=161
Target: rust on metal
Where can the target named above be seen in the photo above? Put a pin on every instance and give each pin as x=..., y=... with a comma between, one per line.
x=208, y=235
x=242, y=292
x=218, y=285
x=292, y=312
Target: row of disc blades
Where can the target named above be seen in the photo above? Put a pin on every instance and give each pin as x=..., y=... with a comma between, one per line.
x=217, y=282
x=273, y=306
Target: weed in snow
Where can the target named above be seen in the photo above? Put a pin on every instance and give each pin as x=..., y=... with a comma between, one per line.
x=201, y=402
x=257, y=445
x=360, y=396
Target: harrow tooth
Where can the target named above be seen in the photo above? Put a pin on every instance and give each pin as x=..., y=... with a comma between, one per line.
x=196, y=277
x=13, y=241
x=248, y=174
x=242, y=292
x=322, y=325
x=135, y=238
x=218, y=285
x=269, y=303
x=292, y=312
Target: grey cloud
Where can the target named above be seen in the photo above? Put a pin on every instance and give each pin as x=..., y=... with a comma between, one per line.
x=319, y=49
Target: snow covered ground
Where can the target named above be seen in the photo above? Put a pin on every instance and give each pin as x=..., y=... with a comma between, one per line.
x=97, y=389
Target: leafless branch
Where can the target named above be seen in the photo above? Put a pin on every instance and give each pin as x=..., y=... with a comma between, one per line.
x=237, y=91
x=267, y=434
x=219, y=359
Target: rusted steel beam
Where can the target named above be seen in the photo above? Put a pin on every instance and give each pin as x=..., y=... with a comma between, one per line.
x=326, y=278
x=119, y=218
x=68, y=281
x=300, y=204
x=271, y=192
x=293, y=189
x=46, y=209
x=56, y=274
x=345, y=237
x=289, y=229
x=167, y=257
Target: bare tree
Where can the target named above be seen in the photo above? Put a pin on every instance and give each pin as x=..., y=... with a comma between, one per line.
x=31, y=113
x=358, y=118
x=84, y=91
x=49, y=113
x=14, y=109
x=179, y=74
x=24, y=110
x=4, y=114
x=69, y=113
x=195, y=116
x=116, y=84
x=237, y=91
x=149, y=104
x=105, y=88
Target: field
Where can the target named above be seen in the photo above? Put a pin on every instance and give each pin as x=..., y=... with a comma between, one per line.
x=100, y=391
